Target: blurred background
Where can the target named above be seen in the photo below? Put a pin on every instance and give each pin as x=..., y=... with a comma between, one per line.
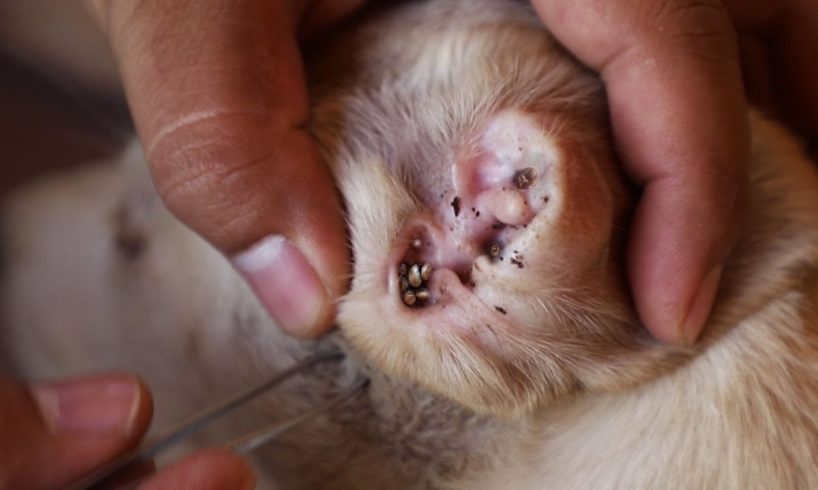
x=60, y=100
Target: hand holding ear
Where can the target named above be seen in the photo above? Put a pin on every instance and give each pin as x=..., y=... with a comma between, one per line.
x=672, y=74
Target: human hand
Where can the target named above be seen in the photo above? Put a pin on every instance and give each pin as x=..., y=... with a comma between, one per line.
x=218, y=97
x=53, y=433
x=672, y=75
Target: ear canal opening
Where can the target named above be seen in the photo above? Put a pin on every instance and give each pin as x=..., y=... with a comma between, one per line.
x=414, y=272
x=479, y=220
x=423, y=252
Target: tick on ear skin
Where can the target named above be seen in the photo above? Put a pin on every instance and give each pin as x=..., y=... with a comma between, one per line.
x=409, y=298
x=414, y=276
x=494, y=249
x=525, y=178
x=425, y=272
x=412, y=279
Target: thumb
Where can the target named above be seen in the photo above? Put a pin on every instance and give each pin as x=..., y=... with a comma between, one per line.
x=212, y=469
x=53, y=433
x=219, y=100
x=678, y=113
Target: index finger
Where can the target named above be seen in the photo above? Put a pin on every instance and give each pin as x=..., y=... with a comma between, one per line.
x=212, y=469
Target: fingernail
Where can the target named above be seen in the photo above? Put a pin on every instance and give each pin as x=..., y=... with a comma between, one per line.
x=700, y=307
x=286, y=284
x=93, y=406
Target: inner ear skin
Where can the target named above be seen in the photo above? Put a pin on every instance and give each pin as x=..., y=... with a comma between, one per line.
x=546, y=316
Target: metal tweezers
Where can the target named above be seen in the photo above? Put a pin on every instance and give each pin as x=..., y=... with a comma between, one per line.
x=243, y=444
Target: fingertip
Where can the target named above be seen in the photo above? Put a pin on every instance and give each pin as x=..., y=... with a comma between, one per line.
x=676, y=253
x=62, y=429
x=212, y=469
x=684, y=326
x=287, y=285
x=114, y=404
x=698, y=312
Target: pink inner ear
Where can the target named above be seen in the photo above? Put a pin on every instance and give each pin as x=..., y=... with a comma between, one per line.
x=506, y=183
x=495, y=193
